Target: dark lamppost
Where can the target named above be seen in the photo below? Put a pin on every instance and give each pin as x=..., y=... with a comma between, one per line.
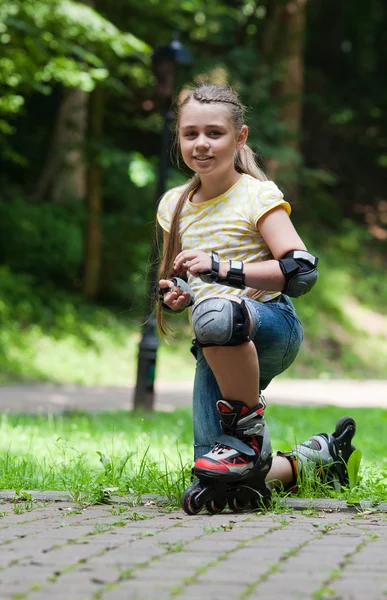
x=165, y=61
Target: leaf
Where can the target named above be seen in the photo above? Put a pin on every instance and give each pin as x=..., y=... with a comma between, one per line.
x=353, y=468
x=123, y=462
x=104, y=460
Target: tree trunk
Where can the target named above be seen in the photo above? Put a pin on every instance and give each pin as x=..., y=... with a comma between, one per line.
x=93, y=229
x=285, y=33
x=63, y=175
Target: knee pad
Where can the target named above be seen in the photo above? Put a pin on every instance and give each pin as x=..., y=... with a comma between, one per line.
x=220, y=322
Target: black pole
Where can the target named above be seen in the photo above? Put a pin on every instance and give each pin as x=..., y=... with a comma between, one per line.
x=147, y=353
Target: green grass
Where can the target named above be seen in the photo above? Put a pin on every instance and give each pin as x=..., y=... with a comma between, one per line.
x=87, y=453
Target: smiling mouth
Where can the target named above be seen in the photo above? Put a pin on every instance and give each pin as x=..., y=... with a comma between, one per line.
x=202, y=158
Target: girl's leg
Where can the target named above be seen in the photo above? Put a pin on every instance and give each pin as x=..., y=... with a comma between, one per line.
x=237, y=371
x=206, y=393
x=232, y=373
x=206, y=420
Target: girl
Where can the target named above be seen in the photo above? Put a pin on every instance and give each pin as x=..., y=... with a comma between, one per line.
x=232, y=254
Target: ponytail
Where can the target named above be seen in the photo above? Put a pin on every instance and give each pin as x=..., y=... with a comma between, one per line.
x=245, y=163
x=173, y=247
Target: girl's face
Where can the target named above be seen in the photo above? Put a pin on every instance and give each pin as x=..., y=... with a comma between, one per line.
x=208, y=139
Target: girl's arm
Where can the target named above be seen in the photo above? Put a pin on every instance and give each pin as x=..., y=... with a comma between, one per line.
x=281, y=237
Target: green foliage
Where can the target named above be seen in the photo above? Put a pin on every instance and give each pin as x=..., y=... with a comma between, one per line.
x=51, y=42
x=57, y=41
x=354, y=467
x=25, y=303
x=44, y=240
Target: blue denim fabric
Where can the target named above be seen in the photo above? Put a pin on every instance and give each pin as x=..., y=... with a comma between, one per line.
x=277, y=334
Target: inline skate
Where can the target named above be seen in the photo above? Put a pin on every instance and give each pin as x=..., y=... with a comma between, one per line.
x=233, y=472
x=328, y=454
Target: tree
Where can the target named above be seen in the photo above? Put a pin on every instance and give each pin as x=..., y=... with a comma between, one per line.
x=283, y=41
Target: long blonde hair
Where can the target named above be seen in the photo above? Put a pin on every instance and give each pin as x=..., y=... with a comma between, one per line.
x=244, y=163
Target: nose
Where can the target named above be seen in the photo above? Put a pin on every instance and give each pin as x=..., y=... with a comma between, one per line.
x=202, y=141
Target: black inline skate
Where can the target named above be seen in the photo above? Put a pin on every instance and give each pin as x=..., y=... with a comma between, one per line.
x=327, y=454
x=234, y=471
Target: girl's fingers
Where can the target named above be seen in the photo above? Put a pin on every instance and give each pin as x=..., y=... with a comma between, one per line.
x=174, y=297
x=185, y=256
x=165, y=283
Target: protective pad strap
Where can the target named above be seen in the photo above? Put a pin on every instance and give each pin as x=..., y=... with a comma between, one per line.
x=212, y=275
x=235, y=276
x=300, y=270
x=232, y=442
x=294, y=466
x=220, y=322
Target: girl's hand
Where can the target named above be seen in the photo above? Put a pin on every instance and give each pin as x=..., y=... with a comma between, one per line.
x=193, y=261
x=175, y=299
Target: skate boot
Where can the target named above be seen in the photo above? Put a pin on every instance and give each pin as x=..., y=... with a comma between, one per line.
x=324, y=453
x=234, y=471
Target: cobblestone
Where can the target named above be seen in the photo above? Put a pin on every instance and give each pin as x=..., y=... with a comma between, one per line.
x=59, y=550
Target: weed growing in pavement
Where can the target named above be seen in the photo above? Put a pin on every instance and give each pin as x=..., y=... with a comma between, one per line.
x=120, y=523
x=173, y=546
x=118, y=510
x=125, y=574
x=135, y=516
x=149, y=533
x=19, y=509
x=325, y=527
x=100, y=528
x=214, y=529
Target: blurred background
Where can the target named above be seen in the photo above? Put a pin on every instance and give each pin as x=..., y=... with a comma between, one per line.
x=83, y=108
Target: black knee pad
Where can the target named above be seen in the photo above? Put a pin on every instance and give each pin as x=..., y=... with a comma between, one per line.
x=220, y=322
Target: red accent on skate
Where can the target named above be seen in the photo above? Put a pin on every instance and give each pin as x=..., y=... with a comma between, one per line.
x=259, y=411
x=203, y=463
x=245, y=410
x=319, y=447
x=255, y=445
x=224, y=408
x=236, y=461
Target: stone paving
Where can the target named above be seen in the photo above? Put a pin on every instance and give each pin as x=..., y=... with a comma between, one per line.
x=62, y=551
x=54, y=549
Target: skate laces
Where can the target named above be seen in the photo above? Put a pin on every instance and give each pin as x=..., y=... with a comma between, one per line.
x=220, y=449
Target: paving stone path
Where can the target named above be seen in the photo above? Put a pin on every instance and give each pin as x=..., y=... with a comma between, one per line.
x=61, y=551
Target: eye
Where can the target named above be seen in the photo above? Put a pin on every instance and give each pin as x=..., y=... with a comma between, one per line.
x=215, y=133
x=189, y=134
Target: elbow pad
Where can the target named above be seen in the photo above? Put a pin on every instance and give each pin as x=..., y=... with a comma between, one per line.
x=300, y=270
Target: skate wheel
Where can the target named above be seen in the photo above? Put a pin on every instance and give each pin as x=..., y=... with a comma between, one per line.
x=215, y=506
x=238, y=501
x=189, y=502
x=343, y=425
x=261, y=500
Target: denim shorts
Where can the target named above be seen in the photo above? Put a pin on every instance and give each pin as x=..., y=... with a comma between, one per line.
x=277, y=335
